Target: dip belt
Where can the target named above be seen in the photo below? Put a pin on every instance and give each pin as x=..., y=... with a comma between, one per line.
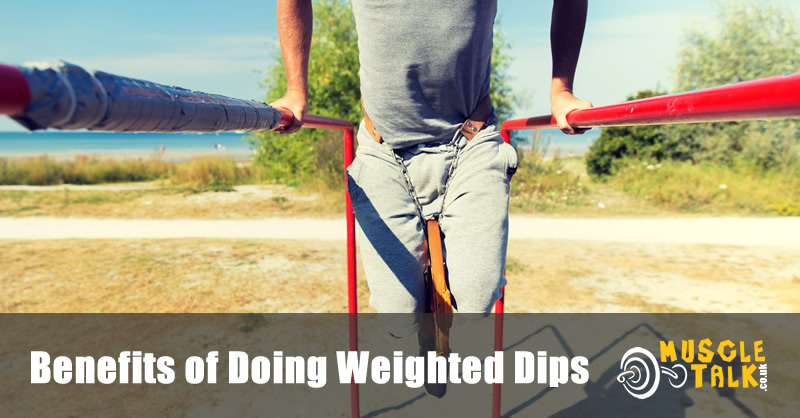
x=439, y=301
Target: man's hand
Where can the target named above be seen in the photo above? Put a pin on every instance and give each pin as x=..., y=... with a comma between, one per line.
x=297, y=103
x=563, y=102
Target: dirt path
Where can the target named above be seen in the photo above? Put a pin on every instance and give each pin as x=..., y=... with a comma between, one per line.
x=747, y=232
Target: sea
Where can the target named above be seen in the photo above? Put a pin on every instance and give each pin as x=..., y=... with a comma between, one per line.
x=176, y=146
x=182, y=146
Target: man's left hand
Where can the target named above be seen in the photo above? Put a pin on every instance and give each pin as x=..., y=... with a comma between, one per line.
x=561, y=104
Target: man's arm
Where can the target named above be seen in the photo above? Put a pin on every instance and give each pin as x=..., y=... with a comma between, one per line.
x=566, y=35
x=295, y=25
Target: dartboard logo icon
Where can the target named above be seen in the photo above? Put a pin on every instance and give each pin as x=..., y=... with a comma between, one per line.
x=641, y=373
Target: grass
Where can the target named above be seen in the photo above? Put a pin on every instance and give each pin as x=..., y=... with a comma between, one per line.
x=220, y=188
x=200, y=188
x=202, y=171
x=541, y=185
x=741, y=189
x=42, y=171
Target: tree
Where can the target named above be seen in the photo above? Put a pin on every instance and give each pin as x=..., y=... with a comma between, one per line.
x=503, y=99
x=616, y=143
x=753, y=40
x=334, y=90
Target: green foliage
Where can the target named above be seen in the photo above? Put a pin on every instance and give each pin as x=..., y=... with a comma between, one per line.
x=708, y=187
x=616, y=143
x=753, y=40
x=44, y=171
x=503, y=100
x=215, y=172
x=334, y=90
x=544, y=185
x=785, y=208
x=201, y=174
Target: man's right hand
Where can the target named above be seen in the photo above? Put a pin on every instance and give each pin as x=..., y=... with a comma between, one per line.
x=297, y=103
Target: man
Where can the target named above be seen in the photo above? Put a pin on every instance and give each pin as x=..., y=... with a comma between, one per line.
x=429, y=146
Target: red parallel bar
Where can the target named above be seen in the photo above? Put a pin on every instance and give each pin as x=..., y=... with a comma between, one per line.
x=766, y=98
x=14, y=91
x=322, y=122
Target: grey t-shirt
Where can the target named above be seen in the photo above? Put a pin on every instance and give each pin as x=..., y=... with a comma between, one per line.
x=425, y=65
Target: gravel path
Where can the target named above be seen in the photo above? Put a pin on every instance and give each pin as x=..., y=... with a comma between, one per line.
x=778, y=232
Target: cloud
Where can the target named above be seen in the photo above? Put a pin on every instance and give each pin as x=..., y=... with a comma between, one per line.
x=224, y=64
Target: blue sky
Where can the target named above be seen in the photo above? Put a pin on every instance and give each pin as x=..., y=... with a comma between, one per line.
x=221, y=47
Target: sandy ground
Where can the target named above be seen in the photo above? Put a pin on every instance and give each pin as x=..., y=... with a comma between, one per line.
x=748, y=232
x=554, y=265
x=216, y=275
x=160, y=200
x=560, y=265
x=603, y=265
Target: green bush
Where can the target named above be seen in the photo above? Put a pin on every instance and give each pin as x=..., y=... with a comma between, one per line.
x=709, y=187
x=754, y=40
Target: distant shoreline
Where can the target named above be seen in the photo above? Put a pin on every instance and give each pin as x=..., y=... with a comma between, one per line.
x=183, y=146
x=67, y=145
x=172, y=157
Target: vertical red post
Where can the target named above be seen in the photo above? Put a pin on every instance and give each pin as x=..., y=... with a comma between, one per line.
x=352, y=296
x=499, y=307
x=498, y=346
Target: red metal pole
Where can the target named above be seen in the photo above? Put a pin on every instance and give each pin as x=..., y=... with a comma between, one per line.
x=766, y=98
x=14, y=91
x=498, y=346
x=320, y=122
x=314, y=121
x=499, y=308
x=352, y=296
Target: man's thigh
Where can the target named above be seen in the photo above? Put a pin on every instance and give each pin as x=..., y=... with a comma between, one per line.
x=391, y=237
x=475, y=222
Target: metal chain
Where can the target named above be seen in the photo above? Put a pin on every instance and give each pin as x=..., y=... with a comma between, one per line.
x=412, y=192
x=449, y=176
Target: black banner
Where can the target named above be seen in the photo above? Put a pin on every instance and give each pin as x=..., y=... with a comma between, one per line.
x=654, y=365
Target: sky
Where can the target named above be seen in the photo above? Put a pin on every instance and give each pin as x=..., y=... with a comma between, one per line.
x=224, y=47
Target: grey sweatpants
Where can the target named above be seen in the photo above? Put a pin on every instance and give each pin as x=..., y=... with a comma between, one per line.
x=474, y=220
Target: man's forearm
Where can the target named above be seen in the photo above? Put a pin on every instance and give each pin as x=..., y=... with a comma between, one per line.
x=295, y=25
x=566, y=35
